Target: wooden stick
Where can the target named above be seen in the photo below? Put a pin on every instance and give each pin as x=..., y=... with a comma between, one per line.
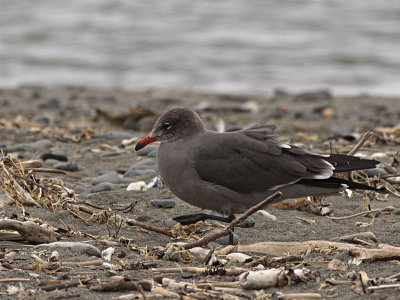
x=232, y=271
x=384, y=210
x=228, y=229
x=361, y=142
x=132, y=222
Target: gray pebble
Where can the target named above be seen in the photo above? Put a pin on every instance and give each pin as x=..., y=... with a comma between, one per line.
x=169, y=223
x=145, y=151
x=147, y=163
x=224, y=241
x=3, y=146
x=111, y=154
x=116, y=135
x=101, y=187
x=133, y=173
x=68, y=166
x=163, y=203
x=375, y=172
x=248, y=222
x=152, y=153
x=40, y=145
x=112, y=177
x=78, y=188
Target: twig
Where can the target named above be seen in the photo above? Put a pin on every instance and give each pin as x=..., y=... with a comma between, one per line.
x=132, y=222
x=228, y=229
x=361, y=142
x=46, y=170
x=232, y=271
x=376, y=211
x=383, y=286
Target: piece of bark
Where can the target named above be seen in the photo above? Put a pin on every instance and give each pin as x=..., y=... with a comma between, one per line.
x=384, y=252
x=30, y=231
x=292, y=248
x=78, y=246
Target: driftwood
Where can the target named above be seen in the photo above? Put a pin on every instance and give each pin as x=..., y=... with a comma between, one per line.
x=373, y=212
x=232, y=271
x=292, y=248
x=166, y=232
x=384, y=252
x=300, y=296
x=30, y=231
x=121, y=285
x=77, y=246
x=355, y=238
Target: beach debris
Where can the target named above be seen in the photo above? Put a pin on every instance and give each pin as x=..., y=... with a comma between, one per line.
x=139, y=186
x=254, y=280
x=80, y=247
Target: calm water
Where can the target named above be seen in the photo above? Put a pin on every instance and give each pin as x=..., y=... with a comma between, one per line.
x=240, y=46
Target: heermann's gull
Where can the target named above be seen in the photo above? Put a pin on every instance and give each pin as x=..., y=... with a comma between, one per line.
x=230, y=172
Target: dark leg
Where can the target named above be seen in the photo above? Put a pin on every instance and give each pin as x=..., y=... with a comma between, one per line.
x=194, y=218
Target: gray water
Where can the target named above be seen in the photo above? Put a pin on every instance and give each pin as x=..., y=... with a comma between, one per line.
x=350, y=46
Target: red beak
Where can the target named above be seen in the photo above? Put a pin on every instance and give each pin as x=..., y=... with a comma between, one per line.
x=145, y=141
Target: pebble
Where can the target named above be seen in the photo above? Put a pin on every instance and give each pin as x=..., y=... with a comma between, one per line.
x=224, y=241
x=57, y=155
x=111, y=154
x=169, y=223
x=3, y=146
x=101, y=187
x=53, y=103
x=147, y=163
x=67, y=166
x=163, y=203
x=247, y=223
x=152, y=153
x=145, y=151
x=112, y=177
x=134, y=173
x=40, y=145
x=375, y=172
x=116, y=135
x=315, y=96
x=78, y=188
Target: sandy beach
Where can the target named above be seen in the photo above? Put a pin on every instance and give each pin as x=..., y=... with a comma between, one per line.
x=88, y=127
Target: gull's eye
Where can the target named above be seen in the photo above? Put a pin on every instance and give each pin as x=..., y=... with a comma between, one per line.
x=166, y=126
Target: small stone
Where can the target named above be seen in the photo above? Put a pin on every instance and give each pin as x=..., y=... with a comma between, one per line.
x=247, y=223
x=68, y=166
x=337, y=265
x=375, y=172
x=224, y=241
x=134, y=173
x=143, y=164
x=78, y=188
x=163, y=203
x=40, y=145
x=111, y=154
x=169, y=223
x=115, y=135
x=314, y=96
x=3, y=146
x=54, y=155
x=101, y=187
x=152, y=153
x=50, y=104
x=146, y=150
x=112, y=177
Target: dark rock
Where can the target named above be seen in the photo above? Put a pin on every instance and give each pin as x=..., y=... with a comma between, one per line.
x=67, y=166
x=316, y=96
x=248, y=222
x=102, y=187
x=224, y=241
x=3, y=146
x=140, y=172
x=112, y=177
x=54, y=155
x=163, y=203
x=53, y=103
x=129, y=124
